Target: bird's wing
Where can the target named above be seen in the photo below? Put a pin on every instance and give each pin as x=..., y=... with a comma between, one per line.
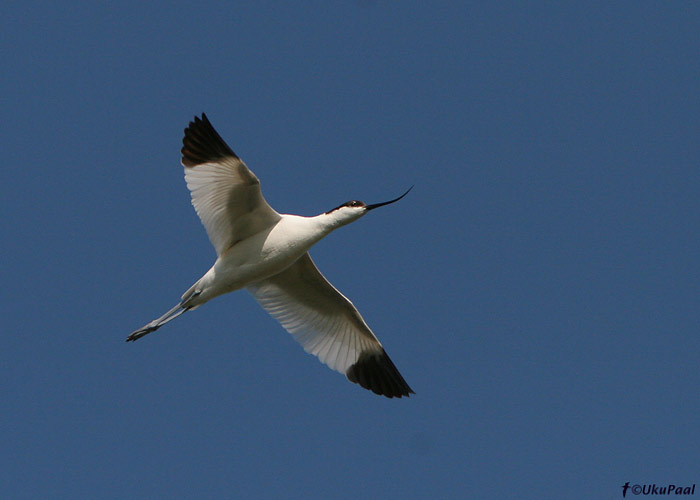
x=327, y=325
x=225, y=193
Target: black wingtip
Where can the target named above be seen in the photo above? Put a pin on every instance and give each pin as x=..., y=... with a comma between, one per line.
x=377, y=373
x=203, y=144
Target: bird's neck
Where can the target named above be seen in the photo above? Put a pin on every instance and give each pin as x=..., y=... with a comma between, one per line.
x=332, y=220
x=304, y=232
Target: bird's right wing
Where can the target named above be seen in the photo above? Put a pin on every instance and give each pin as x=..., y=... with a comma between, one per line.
x=225, y=193
x=327, y=325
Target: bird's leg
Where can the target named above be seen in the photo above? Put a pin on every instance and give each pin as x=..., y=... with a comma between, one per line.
x=182, y=307
x=157, y=323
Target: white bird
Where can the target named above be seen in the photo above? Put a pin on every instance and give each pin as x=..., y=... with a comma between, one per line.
x=267, y=254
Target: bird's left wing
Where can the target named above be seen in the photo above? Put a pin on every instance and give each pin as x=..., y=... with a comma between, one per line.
x=225, y=193
x=327, y=325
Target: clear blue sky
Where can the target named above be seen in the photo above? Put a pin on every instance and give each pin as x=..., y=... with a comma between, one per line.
x=539, y=288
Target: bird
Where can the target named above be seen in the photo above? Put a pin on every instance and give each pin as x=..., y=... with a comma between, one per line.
x=267, y=254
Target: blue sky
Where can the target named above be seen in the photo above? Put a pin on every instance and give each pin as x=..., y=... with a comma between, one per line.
x=538, y=288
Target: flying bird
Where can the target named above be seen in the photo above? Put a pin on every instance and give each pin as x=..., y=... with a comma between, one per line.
x=266, y=253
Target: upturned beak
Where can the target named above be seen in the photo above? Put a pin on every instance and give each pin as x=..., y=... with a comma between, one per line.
x=377, y=205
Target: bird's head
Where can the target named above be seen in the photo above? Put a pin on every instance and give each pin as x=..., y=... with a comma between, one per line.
x=352, y=210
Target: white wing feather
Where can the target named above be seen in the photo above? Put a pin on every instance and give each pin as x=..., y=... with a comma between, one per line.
x=227, y=198
x=317, y=315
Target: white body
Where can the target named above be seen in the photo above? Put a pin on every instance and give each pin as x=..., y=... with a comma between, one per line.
x=261, y=255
